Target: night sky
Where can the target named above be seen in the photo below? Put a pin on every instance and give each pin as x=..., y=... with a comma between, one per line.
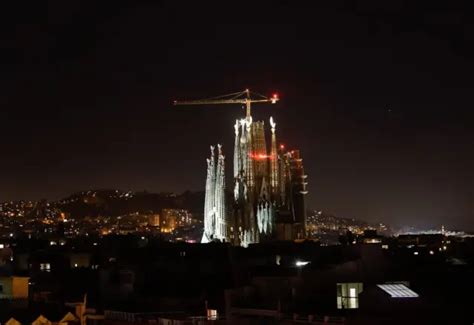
x=379, y=99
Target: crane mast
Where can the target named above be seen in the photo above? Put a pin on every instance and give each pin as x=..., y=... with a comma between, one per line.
x=242, y=97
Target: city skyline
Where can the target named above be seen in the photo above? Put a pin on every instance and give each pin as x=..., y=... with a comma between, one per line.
x=377, y=103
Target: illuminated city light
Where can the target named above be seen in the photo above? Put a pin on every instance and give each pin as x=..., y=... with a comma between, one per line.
x=301, y=263
x=373, y=241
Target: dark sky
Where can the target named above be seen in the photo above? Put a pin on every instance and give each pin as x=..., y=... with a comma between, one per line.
x=378, y=98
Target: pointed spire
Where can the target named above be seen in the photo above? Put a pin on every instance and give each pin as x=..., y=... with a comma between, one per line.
x=274, y=162
x=272, y=124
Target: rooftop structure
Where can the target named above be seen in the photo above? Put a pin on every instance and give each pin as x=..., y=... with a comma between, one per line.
x=398, y=290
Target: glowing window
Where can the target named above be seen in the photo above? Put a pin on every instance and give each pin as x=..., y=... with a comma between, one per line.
x=348, y=295
x=211, y=314
x=45, y=267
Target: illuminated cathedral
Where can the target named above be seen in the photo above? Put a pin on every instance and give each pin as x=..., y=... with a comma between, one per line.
x=268, y=190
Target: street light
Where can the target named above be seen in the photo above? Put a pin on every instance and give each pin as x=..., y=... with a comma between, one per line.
x=302, y=263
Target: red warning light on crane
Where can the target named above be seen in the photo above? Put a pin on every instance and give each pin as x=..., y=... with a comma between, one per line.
x=274, y=98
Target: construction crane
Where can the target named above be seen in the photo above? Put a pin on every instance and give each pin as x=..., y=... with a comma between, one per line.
x=241, y=97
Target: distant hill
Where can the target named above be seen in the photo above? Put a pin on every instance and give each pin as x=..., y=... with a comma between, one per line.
x=109, y=202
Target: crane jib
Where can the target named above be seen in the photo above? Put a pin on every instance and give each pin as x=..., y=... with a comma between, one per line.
x=234, y=99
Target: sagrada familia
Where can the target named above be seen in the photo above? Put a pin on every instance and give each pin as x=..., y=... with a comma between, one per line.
x=269, y=187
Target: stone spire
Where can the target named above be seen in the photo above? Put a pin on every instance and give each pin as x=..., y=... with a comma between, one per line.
x=209, y=201
x=220, y=227
x=274, y=181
